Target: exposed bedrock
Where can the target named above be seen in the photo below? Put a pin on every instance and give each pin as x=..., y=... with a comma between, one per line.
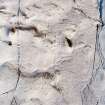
x=47, y=51
x=93, y=93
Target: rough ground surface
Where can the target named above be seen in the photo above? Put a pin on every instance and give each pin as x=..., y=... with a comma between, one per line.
x=94, y=92
x=47, y=50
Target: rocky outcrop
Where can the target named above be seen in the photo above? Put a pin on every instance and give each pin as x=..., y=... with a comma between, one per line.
x=47, y=51
x=96, y=86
